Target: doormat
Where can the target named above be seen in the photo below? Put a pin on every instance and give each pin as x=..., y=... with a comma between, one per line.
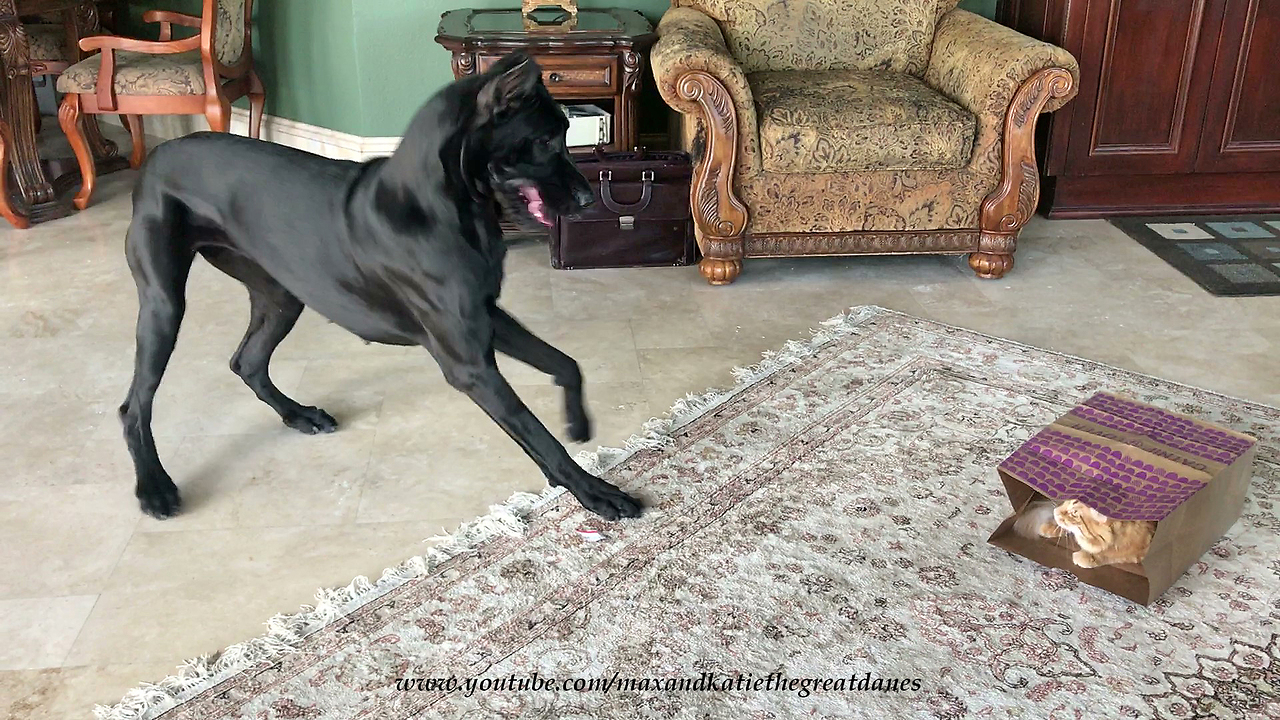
x=1228, y=255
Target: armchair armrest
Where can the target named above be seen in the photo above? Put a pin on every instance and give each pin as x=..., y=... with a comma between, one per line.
x=168, y=19
x=697, y=76
x=691, y=51
x=114, y=42
x=1006, y=80
x=981, y=64
x=105, y=90
x=690, y=41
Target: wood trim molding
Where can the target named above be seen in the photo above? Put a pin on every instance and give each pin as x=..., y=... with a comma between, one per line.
x=1228, y=142
x=1190, y=49
x=282, y=131
x=1007, y=208
x=718, y=215
x=868, y=242
x=1098, y=196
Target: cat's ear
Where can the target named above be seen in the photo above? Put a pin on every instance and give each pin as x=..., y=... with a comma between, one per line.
x=1095, y=515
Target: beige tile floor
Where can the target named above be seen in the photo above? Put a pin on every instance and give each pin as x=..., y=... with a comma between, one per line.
x=95, y=598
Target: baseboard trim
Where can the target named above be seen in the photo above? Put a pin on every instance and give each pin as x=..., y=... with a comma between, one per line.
x=1100, y=196
x=282, y=131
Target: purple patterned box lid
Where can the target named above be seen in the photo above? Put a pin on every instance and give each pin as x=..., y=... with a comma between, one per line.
x=1128, y=460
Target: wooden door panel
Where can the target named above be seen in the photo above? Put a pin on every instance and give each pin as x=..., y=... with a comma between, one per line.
x=1143, y=85
x=1242, y=126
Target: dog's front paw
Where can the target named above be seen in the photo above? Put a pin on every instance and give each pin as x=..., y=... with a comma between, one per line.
x=606, y=500
x=311, y=420
x=159, y=498
x=579, y=427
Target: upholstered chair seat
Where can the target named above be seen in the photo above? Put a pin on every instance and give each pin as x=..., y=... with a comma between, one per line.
x=857, y=120
x=139, y=73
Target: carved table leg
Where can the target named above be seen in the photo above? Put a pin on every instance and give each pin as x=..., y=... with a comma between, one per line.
x=1013, y=202
x=34, y=193
x=7, y=211
x=718, y=214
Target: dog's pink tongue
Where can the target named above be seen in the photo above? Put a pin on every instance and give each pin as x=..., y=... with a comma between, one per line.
x=533, y=199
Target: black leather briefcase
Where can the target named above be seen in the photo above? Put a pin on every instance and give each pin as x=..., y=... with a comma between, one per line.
x=641, y=216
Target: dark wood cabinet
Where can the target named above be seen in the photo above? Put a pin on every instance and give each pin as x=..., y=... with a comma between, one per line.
x=1246, y=84
x=1178, y=111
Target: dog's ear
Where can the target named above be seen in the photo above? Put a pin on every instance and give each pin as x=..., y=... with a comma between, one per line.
x=513, y=78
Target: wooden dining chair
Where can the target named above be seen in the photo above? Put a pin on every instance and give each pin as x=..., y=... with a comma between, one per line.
x=197, y=75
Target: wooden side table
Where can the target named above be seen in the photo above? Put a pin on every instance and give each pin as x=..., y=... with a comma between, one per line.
x=598, y=59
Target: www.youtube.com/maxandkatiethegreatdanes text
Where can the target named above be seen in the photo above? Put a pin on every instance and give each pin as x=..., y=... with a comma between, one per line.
x=706, y=682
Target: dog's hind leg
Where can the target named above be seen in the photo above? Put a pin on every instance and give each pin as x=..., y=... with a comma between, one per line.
x=272, y=314
x=515, y=340
x=160, y=267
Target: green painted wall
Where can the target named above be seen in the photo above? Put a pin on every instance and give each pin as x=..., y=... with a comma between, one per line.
x=365, y=66
x=400, y=64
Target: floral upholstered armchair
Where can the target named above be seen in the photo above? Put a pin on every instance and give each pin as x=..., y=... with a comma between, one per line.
x=834, y=127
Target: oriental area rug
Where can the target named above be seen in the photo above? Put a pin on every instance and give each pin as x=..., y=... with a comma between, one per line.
x=814, y=545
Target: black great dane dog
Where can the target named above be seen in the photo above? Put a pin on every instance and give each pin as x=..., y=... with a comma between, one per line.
x=404, y=250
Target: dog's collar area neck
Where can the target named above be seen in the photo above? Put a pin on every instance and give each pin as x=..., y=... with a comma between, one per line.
x=475, y=187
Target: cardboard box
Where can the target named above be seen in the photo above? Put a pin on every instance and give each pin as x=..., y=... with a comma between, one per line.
x=1131, y=461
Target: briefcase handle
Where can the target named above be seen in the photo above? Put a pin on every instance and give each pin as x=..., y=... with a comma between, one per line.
x=646, y=193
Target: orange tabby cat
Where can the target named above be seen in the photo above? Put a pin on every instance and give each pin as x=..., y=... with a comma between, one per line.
x=1102, y=541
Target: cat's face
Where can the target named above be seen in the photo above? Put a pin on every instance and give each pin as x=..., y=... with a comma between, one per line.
x=1090, y=528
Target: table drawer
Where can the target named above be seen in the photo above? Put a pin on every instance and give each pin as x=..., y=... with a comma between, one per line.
x=571, y=74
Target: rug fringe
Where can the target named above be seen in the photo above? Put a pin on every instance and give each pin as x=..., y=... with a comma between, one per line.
x=286, y=632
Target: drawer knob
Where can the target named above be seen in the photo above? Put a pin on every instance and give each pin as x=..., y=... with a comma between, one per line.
x=555, y=77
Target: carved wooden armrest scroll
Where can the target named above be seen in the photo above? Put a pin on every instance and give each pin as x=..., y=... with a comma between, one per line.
x=718, y=213
x=1014, y=201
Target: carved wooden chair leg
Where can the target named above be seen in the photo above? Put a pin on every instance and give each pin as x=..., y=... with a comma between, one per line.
x=7, y=211
x=218, y=112
x=991, y=266
x=70, y=120
x=721, y=262
x=138, y=135
x=257, y=102
x=720, y=271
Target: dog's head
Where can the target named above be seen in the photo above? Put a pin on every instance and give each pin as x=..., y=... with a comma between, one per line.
x=528, y=165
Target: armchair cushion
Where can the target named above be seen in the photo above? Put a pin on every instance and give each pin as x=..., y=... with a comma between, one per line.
x=857, y=120
x=48, y=43
x=140, y=74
